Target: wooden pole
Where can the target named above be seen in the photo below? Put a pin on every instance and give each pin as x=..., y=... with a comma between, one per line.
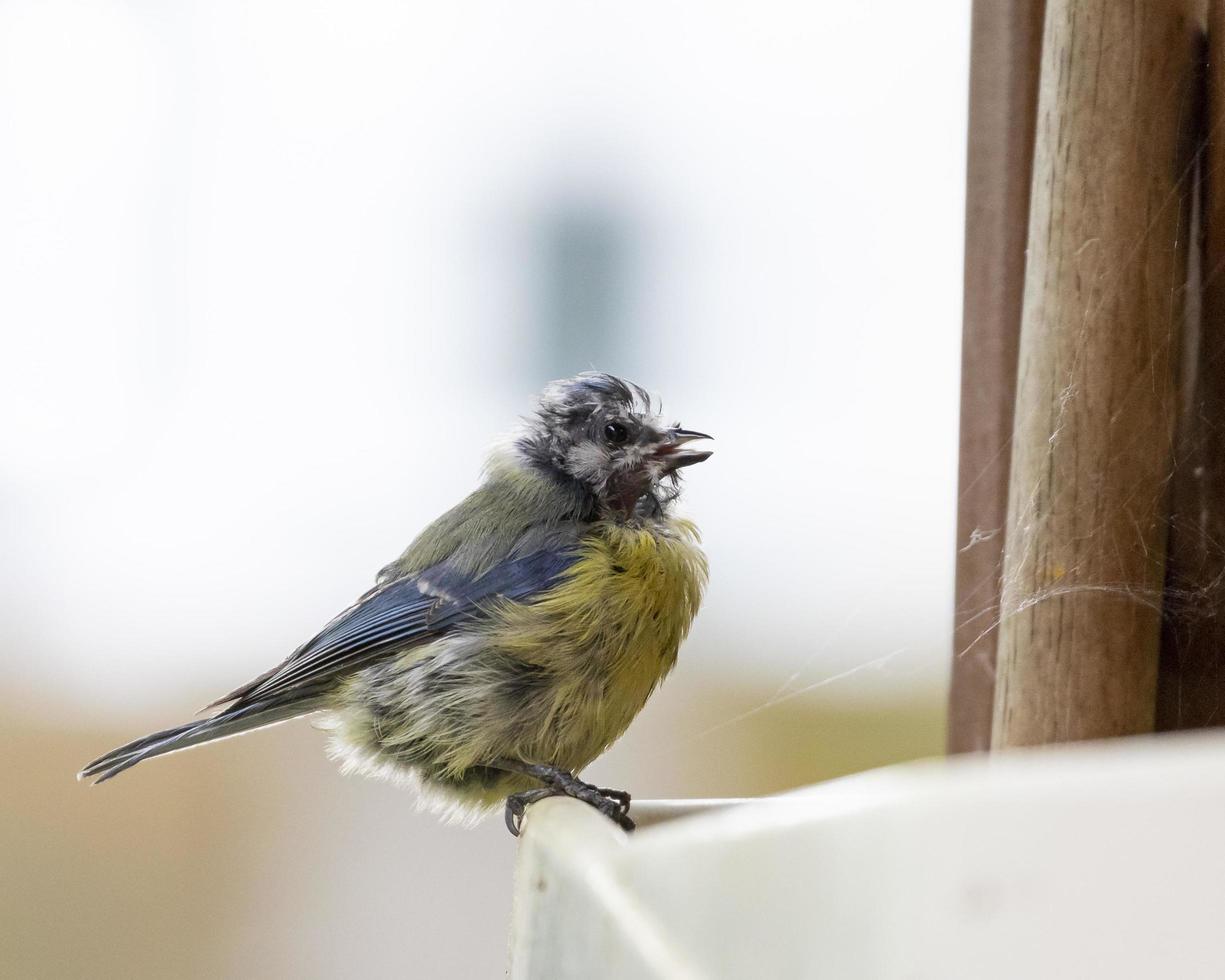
x=1191, y=674
x=1084, y=557
x=1005, y=51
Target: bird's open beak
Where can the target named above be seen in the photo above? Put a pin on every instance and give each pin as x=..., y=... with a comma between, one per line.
x=675, y=456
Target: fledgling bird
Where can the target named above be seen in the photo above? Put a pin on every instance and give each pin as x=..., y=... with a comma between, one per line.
x=520, y=633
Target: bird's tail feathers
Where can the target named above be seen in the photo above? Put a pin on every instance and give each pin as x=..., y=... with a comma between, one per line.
x=223, y=725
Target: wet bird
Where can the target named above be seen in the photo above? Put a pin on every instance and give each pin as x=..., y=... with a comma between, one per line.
x=520, y=633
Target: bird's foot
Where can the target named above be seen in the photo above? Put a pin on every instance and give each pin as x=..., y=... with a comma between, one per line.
x=517, y=804
x=613, y=803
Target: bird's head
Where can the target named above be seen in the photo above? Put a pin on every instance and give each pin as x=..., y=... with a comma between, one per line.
x=604, y=434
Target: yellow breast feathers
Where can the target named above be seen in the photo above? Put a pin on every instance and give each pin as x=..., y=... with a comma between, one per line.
x=623, y=607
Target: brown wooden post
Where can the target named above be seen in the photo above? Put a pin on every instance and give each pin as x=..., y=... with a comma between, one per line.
x=1005, y=50
x=1191, y=677
x=1084, y=557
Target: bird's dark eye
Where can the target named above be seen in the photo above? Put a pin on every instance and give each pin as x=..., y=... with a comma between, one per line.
x=616, y=433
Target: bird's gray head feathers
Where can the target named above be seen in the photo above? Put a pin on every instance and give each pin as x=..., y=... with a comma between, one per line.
x=606, y=435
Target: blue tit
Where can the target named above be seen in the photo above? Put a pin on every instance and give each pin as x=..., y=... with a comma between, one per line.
x=520, y=633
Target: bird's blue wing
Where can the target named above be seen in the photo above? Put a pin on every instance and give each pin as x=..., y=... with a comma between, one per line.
x=401, y=614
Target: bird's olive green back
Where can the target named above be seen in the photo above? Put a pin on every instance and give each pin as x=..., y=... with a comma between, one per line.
x=516, y=511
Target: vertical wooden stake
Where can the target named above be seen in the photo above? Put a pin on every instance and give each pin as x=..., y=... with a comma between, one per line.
x=1084, y=556
x=1191, y=677
x=1005, y=50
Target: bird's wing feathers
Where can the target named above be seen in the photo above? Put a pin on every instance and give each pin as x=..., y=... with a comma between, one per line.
x=403, y=613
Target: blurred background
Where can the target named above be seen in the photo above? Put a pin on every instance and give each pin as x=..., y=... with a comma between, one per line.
x=274, y=275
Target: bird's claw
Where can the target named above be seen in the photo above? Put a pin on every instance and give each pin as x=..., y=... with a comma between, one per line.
x=620, y=795
x=517, y=804
x=613, y=803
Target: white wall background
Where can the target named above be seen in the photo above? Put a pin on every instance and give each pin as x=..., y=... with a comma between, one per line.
x=270, y=281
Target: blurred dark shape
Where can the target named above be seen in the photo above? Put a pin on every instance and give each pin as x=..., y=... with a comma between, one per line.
x=587, y=268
